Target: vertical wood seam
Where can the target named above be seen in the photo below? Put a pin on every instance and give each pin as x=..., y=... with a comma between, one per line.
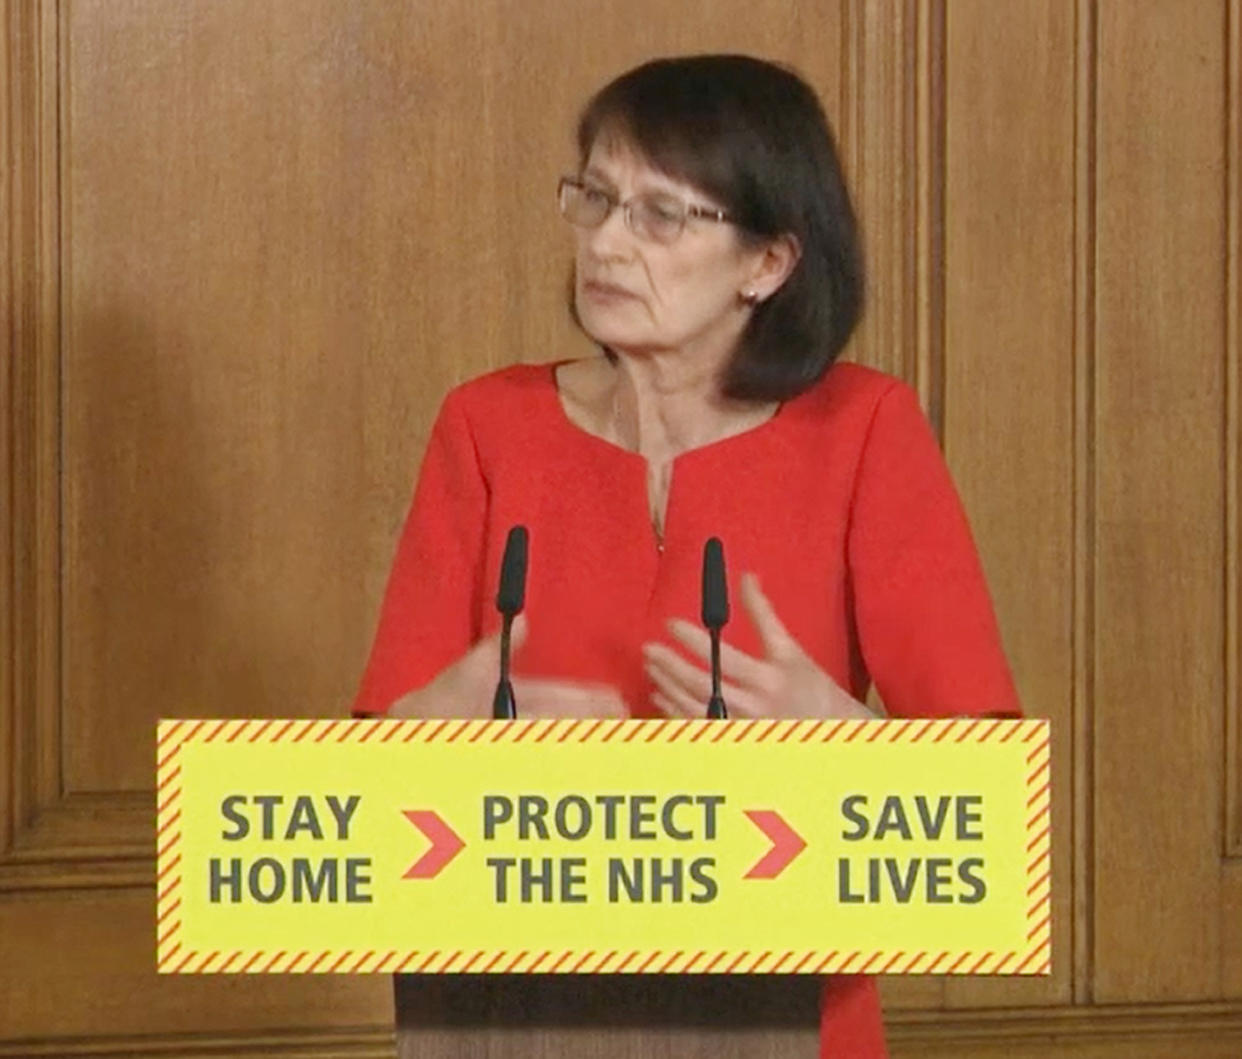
x=22, y=467
x=8, y=403
x=910, y=264
x=46, y=702
x=56, y=127
x=34, y=467
x=922, y=248
x=851, y=135
x=879, y=140
x=1233, y=752
x=849, y=95
x=930, y=209
x=1082, y=776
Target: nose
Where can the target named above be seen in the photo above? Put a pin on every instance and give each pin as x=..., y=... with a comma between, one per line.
x=612, y=239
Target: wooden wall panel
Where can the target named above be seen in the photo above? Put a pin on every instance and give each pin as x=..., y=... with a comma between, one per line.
x=1230, y=913
x=1081, y=1032
x=890, y=125
x=40, y=824
x=1159, y=502
x=222, y=317
x=1229, y=928
x=79, y=965
x=1008, y=390
x=1233, y=436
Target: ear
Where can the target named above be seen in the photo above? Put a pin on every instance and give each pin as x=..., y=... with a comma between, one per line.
x=773, y=264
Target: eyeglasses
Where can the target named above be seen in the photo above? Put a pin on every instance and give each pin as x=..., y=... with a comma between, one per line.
x=653, y=215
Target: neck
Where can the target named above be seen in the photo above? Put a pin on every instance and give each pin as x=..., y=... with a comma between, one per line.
x=664, y=404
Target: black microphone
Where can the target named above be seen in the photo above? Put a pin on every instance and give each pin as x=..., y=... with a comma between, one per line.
x=715, y=616
x=510, y=598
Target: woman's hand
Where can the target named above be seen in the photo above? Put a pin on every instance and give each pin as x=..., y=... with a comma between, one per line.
x=465, y=688
x=784, y=682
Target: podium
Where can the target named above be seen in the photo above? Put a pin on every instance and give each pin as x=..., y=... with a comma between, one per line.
x=604, y=888
x=607, y=1017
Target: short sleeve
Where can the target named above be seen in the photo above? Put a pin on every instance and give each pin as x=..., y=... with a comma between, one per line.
x=428, y=615
x=926, y=629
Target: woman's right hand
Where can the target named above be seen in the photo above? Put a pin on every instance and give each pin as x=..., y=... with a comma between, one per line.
x=465, y=688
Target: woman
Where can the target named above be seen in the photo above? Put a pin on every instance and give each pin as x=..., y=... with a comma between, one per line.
x=717, y=266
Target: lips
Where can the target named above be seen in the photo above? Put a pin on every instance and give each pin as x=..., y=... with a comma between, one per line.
x=599, y=289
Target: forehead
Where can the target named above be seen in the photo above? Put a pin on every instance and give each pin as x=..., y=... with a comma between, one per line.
x=615, y=159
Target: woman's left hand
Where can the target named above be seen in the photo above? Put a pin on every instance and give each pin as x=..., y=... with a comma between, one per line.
x=784, y=682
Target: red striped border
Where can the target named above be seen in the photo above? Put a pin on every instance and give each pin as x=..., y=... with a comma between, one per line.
x=624, y=961
x=170, y=956
x=173, y=735
x=1037, y=847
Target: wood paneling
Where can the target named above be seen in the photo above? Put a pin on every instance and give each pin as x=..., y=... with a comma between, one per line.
x=80, y=964
x=1086, y=78
x=1233, y=436
x=1009, y=373
x=247, y=248
x=891, y=127
x=224, y=317
x=1229, y=927
x=1230, y=912
x=275, y=1044
x=1133, y=1032
x=1159, y=493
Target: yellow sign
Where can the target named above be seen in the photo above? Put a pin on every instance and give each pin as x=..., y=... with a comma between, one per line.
x=898, y=847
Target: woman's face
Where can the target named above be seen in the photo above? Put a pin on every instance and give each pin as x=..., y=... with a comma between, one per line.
x=639, y=296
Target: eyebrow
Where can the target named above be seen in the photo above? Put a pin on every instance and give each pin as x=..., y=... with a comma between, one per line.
x=597, y=174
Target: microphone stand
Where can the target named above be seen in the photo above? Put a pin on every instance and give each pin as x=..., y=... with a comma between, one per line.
x=504, y=706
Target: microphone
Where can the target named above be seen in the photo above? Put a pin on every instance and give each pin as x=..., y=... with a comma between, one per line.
x=715, y=616
x=510, y=598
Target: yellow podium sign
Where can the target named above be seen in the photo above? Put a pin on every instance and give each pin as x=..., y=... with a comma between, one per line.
x=594, y=846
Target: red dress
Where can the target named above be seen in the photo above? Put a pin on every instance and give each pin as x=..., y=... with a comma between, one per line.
x=841, y=503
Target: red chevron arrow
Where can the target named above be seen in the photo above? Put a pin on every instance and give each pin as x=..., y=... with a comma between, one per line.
x=445, y=844
x=786, y=844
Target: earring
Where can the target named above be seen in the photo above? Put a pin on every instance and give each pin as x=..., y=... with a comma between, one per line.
x=750, y=297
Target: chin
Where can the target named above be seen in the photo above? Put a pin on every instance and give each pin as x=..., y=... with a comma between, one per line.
x=605, y=329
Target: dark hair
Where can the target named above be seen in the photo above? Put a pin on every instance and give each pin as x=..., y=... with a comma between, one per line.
x=753, y=136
